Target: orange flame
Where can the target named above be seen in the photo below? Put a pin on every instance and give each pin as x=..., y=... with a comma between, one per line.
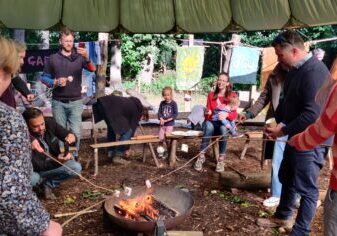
x=138, y=206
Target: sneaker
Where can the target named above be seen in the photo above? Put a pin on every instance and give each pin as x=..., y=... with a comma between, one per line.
x=198, y=164
x=48, y=193
x=120, y=161
x=274, y=222
x=220, y=166
x=271, y=202
x=165, y=155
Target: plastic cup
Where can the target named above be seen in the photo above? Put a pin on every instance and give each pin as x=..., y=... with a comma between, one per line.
x=271, y=123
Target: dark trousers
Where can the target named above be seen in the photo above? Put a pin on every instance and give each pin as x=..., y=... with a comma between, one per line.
x=298, y=173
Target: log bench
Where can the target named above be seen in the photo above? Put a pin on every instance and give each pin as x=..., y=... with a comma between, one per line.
x=145, y=142
x=250, y=135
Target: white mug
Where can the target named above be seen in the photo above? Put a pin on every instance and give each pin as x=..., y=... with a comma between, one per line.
x=184, y=147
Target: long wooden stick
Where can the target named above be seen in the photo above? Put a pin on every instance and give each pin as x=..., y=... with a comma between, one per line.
x=79, y=175
x=82, y=212
x=73, y=213
x=242, y=175
x=276, y=140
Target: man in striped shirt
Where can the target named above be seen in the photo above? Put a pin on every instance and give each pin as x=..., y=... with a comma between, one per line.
x=297, y=110
x=324, y=127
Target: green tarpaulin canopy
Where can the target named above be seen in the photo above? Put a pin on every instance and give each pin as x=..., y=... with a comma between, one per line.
x=162, y=16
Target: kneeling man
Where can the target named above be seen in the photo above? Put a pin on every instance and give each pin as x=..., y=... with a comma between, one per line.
x=46, y=134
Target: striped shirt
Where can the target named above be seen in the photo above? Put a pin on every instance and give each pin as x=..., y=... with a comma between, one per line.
x=324, y=127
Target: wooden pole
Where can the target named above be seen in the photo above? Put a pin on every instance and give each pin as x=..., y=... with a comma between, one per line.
x=221, y=55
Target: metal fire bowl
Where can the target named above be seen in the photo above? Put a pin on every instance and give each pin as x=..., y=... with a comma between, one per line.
x=173, y=198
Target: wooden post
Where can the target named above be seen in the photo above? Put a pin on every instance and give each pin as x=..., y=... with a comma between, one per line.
x=115, y=67
x=216, y=150
x=173, y=153
x=236, y=39
x=221, y=55
x=96, y=161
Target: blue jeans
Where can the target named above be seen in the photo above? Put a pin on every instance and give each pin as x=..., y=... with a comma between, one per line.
x=53, y=178
x=119, y=150
x=69, y=115
x=212, y=128
x=276, y=185
x=298, y=173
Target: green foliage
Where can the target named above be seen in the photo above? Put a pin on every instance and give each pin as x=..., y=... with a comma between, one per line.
x=33, y=38
x=163, y=80
x=136, y=47
x=259, y=38
x=5, y=32
x=69, y=200
x=264, y=214
x=206, y=84
x=129, y=84
x=91, y=195
x=212, y=54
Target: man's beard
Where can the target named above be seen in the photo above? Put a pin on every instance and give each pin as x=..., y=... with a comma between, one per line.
x=66, y=50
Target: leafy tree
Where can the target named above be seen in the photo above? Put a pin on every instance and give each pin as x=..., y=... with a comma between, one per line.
x=135, y=48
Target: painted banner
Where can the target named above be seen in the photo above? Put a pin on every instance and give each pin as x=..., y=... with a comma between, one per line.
x=244, y=65
x=189, y=65
x=35, y=60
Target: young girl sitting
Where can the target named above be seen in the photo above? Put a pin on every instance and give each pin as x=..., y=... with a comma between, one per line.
x=167, y=113
x=233, y=105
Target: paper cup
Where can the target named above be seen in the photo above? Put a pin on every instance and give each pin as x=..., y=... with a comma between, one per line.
x=271, y=123
x=184, y=147
x=127, y=191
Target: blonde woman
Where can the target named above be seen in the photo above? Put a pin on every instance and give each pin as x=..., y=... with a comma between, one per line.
x=8, y=96
x=21, y=211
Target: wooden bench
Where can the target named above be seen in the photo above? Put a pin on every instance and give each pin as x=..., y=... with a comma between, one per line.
x=175, y=138
x=97, y=146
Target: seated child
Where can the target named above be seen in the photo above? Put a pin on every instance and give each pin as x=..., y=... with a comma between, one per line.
x=233, y=105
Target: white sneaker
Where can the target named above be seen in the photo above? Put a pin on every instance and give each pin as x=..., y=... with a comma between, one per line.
x=271, y=202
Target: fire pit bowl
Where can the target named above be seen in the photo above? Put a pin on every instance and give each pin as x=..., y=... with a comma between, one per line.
x=177, y=199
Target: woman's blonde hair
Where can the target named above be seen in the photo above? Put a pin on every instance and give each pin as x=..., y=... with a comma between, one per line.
x=9, y=59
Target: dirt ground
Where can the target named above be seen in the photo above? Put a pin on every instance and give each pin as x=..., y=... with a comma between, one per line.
x=216, y=211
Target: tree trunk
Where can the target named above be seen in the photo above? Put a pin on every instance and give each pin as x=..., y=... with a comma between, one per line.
x=255, y=180
x=146, y=74
x=101, y=70
x=44, y=39
x=115, y=68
